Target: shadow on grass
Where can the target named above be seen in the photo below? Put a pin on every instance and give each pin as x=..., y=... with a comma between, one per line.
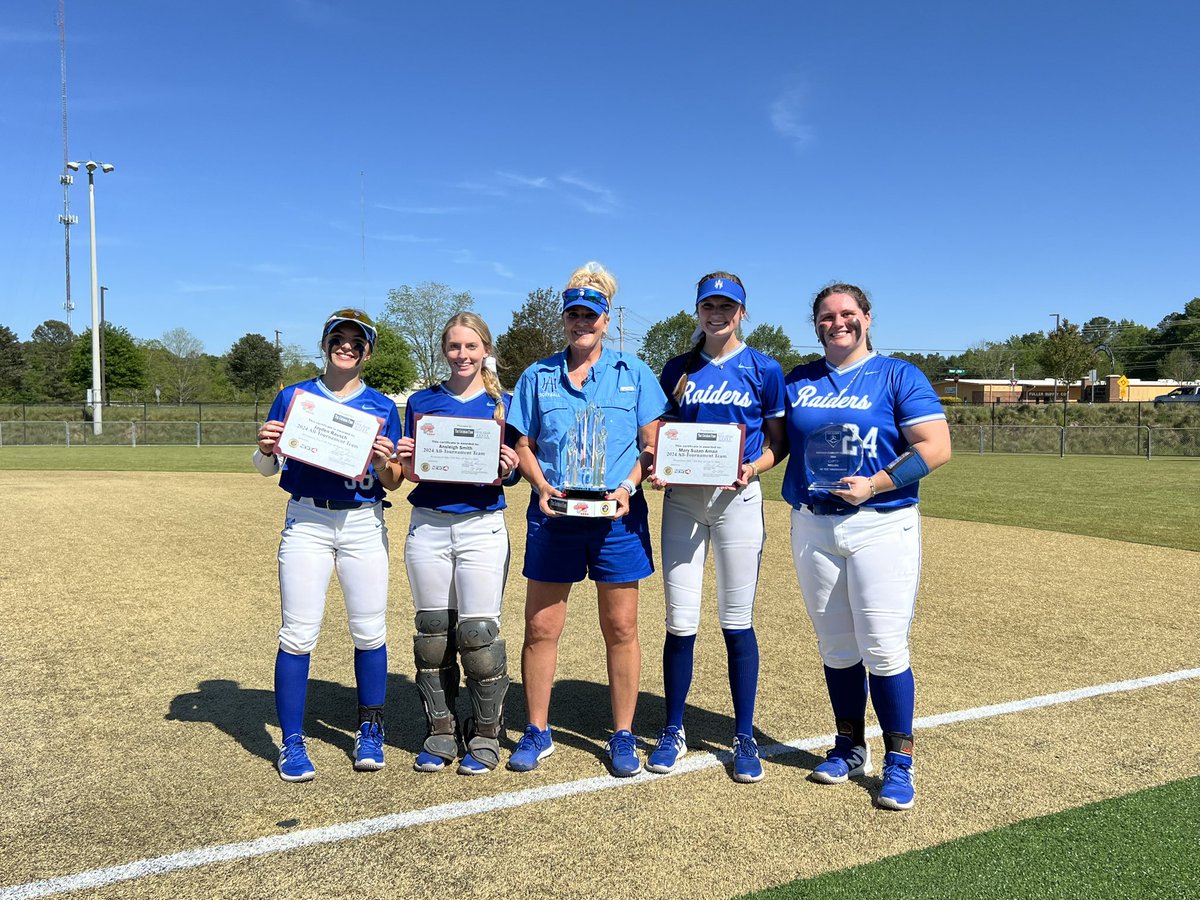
x=580, y=717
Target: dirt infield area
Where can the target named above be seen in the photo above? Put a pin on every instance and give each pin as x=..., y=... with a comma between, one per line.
x=137, y=634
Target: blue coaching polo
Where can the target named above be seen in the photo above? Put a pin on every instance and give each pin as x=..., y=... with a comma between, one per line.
x=545, y=403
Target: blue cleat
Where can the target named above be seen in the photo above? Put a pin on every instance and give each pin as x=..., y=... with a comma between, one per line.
x=747, y=767
x=672, y=745
x=622, y=754
x=294, y=764
x=844, y=761
x=897, y=791
x=534, y=746
x=368, y=747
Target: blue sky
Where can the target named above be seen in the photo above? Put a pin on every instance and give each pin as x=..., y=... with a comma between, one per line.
x=977, y=167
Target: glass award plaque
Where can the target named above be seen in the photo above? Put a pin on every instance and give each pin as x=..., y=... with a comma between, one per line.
x=831, y=453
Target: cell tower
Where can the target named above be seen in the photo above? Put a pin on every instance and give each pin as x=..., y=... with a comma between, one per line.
x=65, y=179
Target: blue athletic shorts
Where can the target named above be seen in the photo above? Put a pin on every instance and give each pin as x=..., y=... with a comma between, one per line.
x=567, y=549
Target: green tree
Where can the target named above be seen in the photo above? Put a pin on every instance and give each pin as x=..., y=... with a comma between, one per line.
x=536, y=332
x=47, y=355
x=1180, y=366
x=988, y=359
x=12, y=365
x=253, y=364
x=933, y=365
x=666, y=339
x=418, y=314
x=390, y=368
x=125, y=370
x=177, y=365
x=771, y=340
x=1133, y=350
x=1066, y=355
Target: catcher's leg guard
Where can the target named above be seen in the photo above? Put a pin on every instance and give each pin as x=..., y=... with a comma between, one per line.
x=437, y=679
x=486, y=665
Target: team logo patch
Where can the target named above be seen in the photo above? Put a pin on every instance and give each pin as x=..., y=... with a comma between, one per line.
x=548, y=384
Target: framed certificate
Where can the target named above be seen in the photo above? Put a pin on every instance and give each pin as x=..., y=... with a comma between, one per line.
x=320, y=432
x=456, y=448
x=699, y=454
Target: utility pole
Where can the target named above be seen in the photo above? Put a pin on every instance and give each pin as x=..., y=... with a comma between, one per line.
x=621, y=327
x=65, y=179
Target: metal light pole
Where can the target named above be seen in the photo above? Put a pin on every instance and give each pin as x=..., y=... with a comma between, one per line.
x=97, y=390
x=1057, y=326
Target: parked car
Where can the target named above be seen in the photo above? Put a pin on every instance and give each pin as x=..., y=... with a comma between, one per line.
x=1180, y=395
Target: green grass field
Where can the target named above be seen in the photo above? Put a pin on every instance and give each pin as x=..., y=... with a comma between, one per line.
x=1141, y=845
x=1128, y=499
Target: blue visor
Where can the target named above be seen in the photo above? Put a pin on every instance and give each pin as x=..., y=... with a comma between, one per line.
x=721, y=287
x=586, y=297
x=358, y=317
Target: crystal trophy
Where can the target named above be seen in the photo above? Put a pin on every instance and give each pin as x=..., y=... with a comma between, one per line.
x=584, y=459
x=831, y=453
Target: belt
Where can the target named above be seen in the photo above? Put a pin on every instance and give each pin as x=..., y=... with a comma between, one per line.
x=334, y=504
x=830, y=508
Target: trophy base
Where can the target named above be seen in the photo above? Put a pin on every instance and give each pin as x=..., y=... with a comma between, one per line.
x=828, y=486
x=584, y=504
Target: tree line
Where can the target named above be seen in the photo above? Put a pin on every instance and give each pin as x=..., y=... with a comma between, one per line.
x=55, y=364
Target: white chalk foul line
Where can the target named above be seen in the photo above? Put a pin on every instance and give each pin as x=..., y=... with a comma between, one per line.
x=330, y=834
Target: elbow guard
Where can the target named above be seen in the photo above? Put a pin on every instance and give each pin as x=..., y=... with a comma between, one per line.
x=267, y=465
x=908, y=468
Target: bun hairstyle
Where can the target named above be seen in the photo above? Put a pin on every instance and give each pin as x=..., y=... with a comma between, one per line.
x=693, y=360
x=853, y=291
x=491, y=384
x=595, y=276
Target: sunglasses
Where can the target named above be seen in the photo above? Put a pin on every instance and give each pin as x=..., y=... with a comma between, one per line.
x=574, y=295
x=353, y=314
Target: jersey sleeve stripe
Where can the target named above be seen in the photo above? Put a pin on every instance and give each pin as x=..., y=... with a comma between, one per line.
x=917, y=420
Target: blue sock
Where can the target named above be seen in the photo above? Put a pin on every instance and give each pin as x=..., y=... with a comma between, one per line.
x=291, y=688
x=370, y=675
x=848, y=691
x=742, y=647
x=894, y=697
x=678, y=653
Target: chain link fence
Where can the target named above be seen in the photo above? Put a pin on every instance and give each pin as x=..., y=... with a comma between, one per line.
x=1077, y=440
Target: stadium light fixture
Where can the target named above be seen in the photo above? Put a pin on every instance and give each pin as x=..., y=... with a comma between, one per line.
x=97, y=390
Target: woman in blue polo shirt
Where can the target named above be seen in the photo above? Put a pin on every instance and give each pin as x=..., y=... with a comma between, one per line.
x=456, y=555
x=553, y=400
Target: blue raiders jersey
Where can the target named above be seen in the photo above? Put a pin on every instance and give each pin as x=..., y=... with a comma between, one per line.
x=302, y=480
x=444, y=496
x=743, y=388
x=876, y=396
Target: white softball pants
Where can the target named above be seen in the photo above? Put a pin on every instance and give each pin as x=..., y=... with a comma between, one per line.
x=313, y=542
x=859, y=576
x=457, y=561
x=732, y=522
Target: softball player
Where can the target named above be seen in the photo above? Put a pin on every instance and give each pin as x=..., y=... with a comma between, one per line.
x=561, y=550
x=457, y=555
x=721, y=380
x=858, y=550
x=333, y=521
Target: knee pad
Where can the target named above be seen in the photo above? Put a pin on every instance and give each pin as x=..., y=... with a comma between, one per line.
x=433, y=644
x=482, y=649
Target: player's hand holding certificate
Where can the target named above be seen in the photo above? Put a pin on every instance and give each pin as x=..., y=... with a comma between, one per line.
x=699, y=454
x=459, y=449
x=323, y=433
